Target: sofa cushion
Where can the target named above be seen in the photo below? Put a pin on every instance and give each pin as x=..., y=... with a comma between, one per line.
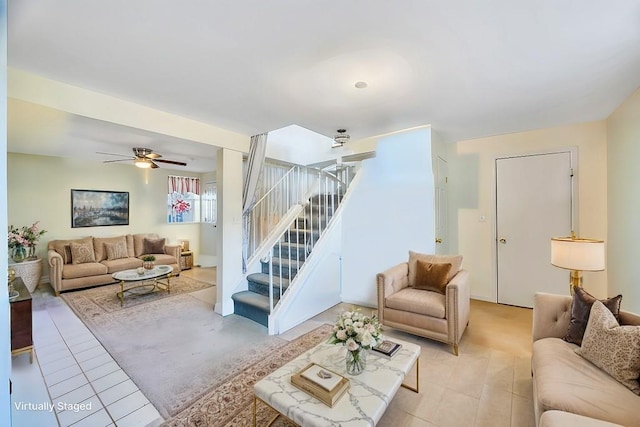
x=115, y=265
x=99, y=245
x=82, y=253
x=153, y=246
x=116, y=250
x=567, y=419
x=568, y=382
x=611, y=347
x=418, y=301
x=163, y=259
x=74, y=271
x=454, y=260
x=580, y=309
x=432, y=277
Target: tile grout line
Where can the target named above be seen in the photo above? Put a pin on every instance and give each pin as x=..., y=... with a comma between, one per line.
x=83, y=373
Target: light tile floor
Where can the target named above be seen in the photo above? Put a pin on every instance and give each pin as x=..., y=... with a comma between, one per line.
x=489, y=384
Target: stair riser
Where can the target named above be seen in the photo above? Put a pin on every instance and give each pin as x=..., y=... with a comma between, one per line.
x=289, y=252
x=251, y=312
x=314, y=223
x=262, y=289
x=285, y=273
x=300, y=236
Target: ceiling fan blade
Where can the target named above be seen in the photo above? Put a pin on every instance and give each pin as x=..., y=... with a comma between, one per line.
x=113, y=154
x=113, y=161
x=153, y=165
x=152, y=155
x=171, y=162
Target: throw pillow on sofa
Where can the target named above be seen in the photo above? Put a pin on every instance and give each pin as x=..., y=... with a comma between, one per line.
x=580, y=309
x=116, y=250
x=82, y=253
x=154, y=246
x=613, y=348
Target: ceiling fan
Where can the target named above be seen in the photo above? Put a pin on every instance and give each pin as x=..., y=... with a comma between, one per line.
x=143, y=158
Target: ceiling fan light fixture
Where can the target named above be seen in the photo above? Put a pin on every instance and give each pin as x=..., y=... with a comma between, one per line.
x=142, y=163
x=341, y=138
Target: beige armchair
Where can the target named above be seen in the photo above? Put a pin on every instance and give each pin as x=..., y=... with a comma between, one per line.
x=426, y=297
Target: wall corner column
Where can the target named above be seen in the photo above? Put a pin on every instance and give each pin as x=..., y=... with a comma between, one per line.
x=229, y=244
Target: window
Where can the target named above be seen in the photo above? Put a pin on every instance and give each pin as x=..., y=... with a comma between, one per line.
x=210, y=203
x=183, y=199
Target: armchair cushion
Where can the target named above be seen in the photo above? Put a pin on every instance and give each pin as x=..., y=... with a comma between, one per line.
x=454, y=260
x=418, y=301
x=432, y=277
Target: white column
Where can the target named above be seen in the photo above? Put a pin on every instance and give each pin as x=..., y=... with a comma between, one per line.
x=229, y=245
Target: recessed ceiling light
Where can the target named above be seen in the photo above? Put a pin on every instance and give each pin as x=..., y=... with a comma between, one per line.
x=361, y=85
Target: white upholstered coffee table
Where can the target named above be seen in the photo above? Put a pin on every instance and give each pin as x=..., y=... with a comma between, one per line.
x=364, y=404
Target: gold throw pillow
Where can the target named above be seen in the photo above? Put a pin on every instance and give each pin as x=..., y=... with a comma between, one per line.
x=82, y=253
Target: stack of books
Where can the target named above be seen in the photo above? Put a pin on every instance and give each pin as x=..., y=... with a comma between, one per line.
x=321, y=383
x=387, y=348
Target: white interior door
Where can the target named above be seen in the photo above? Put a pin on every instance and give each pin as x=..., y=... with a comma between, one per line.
x=533, y=204
x=441, y=203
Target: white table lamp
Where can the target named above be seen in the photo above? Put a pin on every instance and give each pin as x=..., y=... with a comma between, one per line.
x=577, y=254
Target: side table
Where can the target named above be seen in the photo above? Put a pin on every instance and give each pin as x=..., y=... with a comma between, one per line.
x=21, y=332
x=29, y=271
x=186, y=260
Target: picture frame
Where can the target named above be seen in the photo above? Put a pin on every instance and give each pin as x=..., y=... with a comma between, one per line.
x=99, y=208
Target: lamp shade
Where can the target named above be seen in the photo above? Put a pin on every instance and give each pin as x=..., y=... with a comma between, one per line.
x=577, y=254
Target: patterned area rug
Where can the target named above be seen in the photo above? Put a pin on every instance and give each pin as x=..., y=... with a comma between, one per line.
x=95, y=302
x=230, y=403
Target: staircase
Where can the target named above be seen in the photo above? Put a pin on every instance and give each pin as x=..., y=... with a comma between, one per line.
x=287, y=257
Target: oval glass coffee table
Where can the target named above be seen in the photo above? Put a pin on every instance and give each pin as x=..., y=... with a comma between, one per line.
x=141, y=284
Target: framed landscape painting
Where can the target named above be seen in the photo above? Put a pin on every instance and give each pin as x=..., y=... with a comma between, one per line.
x=95, y=208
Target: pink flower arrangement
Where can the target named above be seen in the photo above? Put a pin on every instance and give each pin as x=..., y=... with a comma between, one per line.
x=26, y=236
x=180, y=206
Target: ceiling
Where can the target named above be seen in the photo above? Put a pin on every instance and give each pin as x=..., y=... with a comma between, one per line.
x=468, y=68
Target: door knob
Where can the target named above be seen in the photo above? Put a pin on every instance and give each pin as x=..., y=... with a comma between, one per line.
x=438, y=240
x=503, y=241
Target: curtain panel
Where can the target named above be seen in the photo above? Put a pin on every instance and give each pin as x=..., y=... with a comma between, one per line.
x=183, y=185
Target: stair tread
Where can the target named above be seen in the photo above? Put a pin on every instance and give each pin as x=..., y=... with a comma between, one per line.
x=263, y=279
x=253, y=299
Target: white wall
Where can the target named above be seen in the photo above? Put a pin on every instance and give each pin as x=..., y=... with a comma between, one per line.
x=471, y=172
x=295, y=144
x=623, y=176
x=39, y=189
x=389, y=213
x=229, y=249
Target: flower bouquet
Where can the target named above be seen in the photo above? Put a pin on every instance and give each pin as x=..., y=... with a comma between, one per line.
x=359, y=333
x=19, y=239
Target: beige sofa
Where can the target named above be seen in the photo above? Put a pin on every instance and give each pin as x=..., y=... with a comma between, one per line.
x=566, y=387
x=100, y=259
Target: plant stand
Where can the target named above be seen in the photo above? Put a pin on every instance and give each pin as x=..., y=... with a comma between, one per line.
x=29, y=271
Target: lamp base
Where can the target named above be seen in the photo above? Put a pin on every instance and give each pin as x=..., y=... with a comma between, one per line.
x=576, y=281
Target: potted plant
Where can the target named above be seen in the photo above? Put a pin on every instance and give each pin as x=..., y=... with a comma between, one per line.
x=147, y=261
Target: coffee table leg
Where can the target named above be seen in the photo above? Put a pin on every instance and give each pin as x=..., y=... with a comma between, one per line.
x=121, y=293
x=417, y=387
x=169, y=284
x=255, y=410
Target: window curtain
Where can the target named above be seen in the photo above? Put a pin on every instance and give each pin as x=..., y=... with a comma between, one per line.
x=183, y=185
x=255, y=162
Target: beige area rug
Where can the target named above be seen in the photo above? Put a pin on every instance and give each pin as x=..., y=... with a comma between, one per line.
x=93, y=302
x=230, y=404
